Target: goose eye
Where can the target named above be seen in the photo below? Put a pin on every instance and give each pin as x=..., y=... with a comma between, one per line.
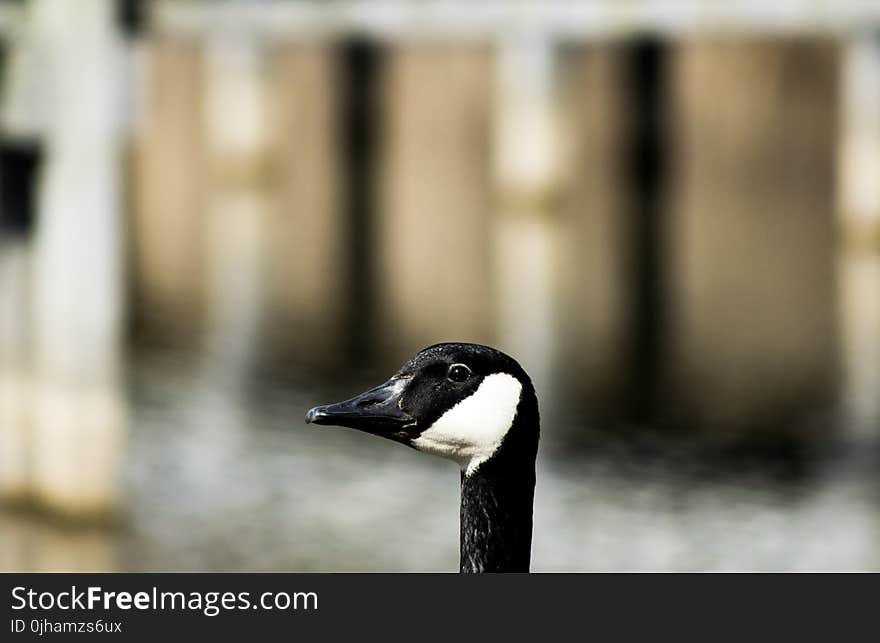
x=458, y=373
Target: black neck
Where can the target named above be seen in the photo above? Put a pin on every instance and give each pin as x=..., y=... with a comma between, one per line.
x=496, y=504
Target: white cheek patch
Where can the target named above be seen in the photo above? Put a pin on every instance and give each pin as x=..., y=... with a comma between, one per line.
x=472, y=430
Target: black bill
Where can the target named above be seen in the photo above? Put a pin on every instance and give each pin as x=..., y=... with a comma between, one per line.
x=376, y=411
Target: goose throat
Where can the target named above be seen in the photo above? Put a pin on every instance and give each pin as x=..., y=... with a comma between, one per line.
x=471, y=431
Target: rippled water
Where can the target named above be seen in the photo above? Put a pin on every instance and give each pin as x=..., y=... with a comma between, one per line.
x=220, y=479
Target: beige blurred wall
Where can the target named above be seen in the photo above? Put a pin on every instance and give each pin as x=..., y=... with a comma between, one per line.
x=287, y=178
x=747, y=233
x=432, y=257
x=747, y=228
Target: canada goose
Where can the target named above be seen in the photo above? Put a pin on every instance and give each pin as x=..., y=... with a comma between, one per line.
x=476, y=406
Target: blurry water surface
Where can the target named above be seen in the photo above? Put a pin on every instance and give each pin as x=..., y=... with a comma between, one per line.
x=221, y=479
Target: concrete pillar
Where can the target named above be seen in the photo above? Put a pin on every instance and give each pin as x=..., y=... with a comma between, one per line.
x=859, y=209
x=526, y=179
x=15, y=374
x=78, y=418
x=236, y=137
x=31, y=545
x=751, y=235
x=434, y=230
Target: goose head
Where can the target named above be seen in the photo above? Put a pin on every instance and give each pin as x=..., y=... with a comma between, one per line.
x=465, y=402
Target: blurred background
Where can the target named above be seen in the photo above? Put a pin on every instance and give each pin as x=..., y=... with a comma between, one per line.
x=216, y=214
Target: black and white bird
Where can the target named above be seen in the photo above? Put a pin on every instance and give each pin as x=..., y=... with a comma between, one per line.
x=476, y=406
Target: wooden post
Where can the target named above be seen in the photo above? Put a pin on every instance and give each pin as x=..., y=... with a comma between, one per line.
x=751, y=235
x=169, y=195
x=434, y=227
x=305, y=274
x=596, y=236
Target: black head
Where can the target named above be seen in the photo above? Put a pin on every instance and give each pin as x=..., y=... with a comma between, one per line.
x=459, y=401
